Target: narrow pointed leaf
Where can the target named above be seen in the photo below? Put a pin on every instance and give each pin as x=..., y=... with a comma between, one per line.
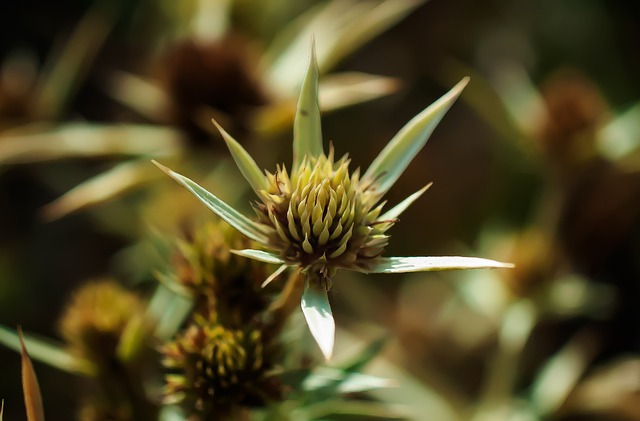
x=1, y=409
x=336, y=381
x=364, y=357
x=167, y=311
x=397, y=210
x=138, y=94
x=339, y=90
x=379, y=17
x=260, y=255
x=245, y=162
x=307, y=130
x=274, y=275
x=169, y=281
x=65, y=71
x=88, y=140
x=352, y=410
x=101, y=188
x=234, y=218
x=30, y=387
x=317, y=312
x=397, y=155
x=46, y=352
x=433, y=263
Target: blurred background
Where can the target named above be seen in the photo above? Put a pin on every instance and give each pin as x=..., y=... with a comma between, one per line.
x=538, y=163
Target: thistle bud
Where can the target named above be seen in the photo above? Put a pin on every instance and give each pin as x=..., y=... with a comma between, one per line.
x=221, y=281
x=217, y=369
x=323, y=217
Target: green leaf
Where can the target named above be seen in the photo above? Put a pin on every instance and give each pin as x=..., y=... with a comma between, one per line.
x=245, y=162
x=351, y=410
x=132, y=340
x=317, y=312
x=171, y=413
x=560, y=374
x=373, y=20
x=339, y=90
x=432, y=263
x=338, y=381
x=260, y=255
x=87, y=140
x=307, y=129
x=234, y=218
x=342, y=26
x=399, y=152
x=274, y=275
x=365, y=356
x=101, y=188
x=30, y=386
x=65, y=71
x=397, y=210
x=620, y=137
x=169, y=311
x=46, y=352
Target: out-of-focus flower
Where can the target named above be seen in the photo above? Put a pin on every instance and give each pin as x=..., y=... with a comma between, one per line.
x=105, y=324
x=322, y=218
x=95, y=320
x=217, y=368
x=219, y=280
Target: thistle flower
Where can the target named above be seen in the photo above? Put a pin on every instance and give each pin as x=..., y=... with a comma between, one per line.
x=220, y=280
x=218, y=368
x=323, y=217
x=95, y=321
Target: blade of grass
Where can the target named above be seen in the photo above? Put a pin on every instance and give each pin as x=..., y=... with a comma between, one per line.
x=67, y=69
x=48, y=353
x=30, y=386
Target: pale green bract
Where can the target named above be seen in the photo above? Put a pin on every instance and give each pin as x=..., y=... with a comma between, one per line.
x=321, y=217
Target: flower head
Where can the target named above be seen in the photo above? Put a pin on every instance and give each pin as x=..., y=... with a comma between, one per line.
x=219, y=367
x=323, y=217
x=218, y=280
x=95, y=321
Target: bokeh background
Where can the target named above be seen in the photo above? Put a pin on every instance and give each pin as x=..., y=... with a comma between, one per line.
x=537, y=163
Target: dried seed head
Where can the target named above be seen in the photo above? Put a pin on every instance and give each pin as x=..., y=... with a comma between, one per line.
x=323, y=217
x=217, y=368
x=217, y=75
x=575, y=109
